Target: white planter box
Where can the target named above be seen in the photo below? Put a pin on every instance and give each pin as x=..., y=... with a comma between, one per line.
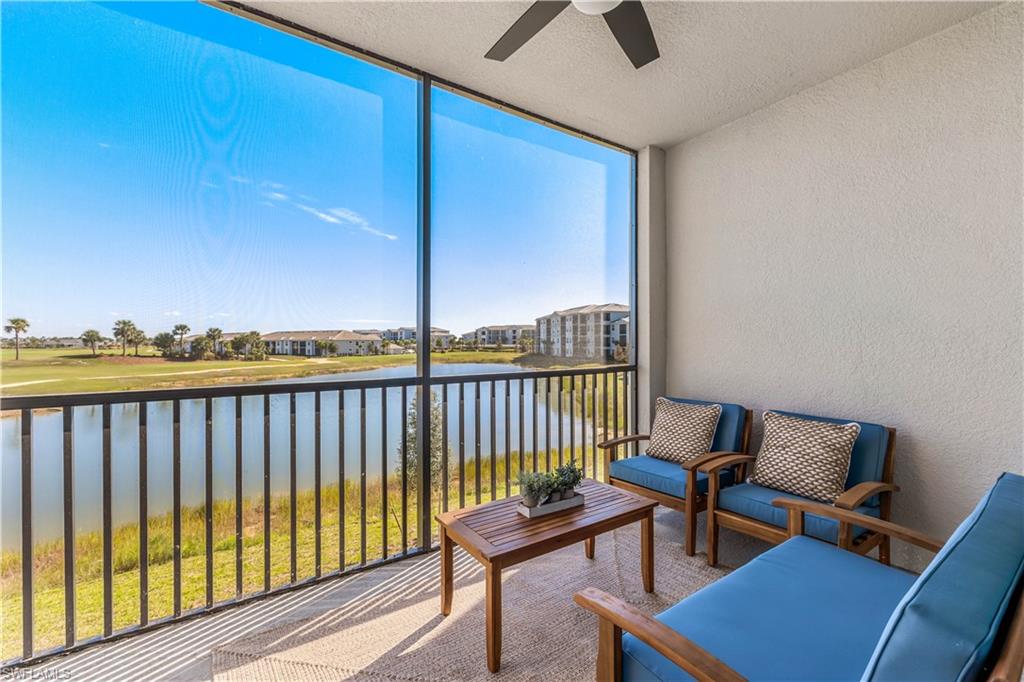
x=551, y=507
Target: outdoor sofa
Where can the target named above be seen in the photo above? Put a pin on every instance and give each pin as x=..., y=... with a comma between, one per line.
x=810, y=610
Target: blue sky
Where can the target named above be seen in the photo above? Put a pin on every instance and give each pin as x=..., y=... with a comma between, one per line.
x=170, y=162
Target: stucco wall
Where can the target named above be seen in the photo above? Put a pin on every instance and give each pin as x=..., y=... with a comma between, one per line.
x=855, y=251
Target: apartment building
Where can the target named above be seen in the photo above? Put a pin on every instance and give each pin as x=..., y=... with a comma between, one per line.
x=589, y=332
x=500, y=334
x=223, y=343
x=305, y=343
x=438, y=336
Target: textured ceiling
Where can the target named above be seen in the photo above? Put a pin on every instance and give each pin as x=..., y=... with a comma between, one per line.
x=720, y=60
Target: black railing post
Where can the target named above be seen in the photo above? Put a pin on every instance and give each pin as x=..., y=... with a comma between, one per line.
x=508, y=439
x=533, y=383
x=108, y=530
x=26, y=533
x=293, y=473
x=384, y=473
x=494, y=446
x=266, y=493
x=317, y=502
x=341, y=480
x=362, y=476
x=176, y=504
x=208, y=500
x=238, y=496
x=444, y=447
x=583, y=423
x=143, y=515
x=476, y=437
x=69, y=523
x=405, y=470
x=572, y=419
x=462, y=444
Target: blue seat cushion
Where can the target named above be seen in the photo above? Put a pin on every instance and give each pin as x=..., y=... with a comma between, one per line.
x=731, y=423
x=946, y=625
x=756, y=502
x=867, y=459
x=661, y=475
x=803, y=610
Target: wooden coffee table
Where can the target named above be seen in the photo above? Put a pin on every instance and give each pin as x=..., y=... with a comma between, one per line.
x=498, y=536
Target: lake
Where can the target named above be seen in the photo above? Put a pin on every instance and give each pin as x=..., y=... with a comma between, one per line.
x=47, y=492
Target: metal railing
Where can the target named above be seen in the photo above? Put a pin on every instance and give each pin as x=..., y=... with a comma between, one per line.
x=214, y=543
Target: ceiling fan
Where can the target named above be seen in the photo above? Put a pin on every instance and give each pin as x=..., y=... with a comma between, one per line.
x=627, y=20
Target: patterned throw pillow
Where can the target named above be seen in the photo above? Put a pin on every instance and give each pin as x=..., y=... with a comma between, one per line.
x=682, y=431
x=805, y=457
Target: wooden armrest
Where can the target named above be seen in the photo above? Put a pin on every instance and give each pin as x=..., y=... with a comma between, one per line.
x=687, y=655
x=701, y=460
x=864, y=521
x=727, y=460
x=855, y=496
x=615, y=442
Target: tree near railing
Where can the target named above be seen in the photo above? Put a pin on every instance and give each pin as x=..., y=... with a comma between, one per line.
x=437, y=454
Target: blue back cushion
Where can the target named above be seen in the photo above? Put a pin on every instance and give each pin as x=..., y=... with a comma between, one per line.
x=945, y=626
x=729, y=436
x=867, y=461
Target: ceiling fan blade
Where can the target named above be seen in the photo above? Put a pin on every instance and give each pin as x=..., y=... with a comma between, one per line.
x=533, y=20
x=632, y=30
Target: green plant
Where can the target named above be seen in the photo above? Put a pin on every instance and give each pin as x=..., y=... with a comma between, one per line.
x=568, y=476
x=534, y=485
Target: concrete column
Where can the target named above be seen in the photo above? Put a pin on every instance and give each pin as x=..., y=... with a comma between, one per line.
x=652, y=287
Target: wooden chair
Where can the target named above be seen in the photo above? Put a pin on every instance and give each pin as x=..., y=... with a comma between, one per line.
x=748, y=508
x=681, y=487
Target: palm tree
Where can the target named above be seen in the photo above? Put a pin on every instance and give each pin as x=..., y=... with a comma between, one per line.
x=137, y=337
x=17, y=326
x=91, y=338
x=164, y=342
x=214, y=334
x=180, y=330
x=122, y=332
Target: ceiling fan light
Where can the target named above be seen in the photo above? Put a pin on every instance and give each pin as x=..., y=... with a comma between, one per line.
x=595, y=7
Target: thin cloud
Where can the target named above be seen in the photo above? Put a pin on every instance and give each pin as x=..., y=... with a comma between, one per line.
x=273, y=185
x=276, y=196
x=377, y=233
x=317, y=213
x=172, y=313
x=104, y=145
x=215, y=315
x=204, y=183
x=352, y=218
x=240, y=179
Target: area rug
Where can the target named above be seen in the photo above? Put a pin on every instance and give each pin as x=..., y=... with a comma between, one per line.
x=395, y=631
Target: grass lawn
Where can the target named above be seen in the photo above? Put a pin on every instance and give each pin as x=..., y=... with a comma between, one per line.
x=62, y=370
